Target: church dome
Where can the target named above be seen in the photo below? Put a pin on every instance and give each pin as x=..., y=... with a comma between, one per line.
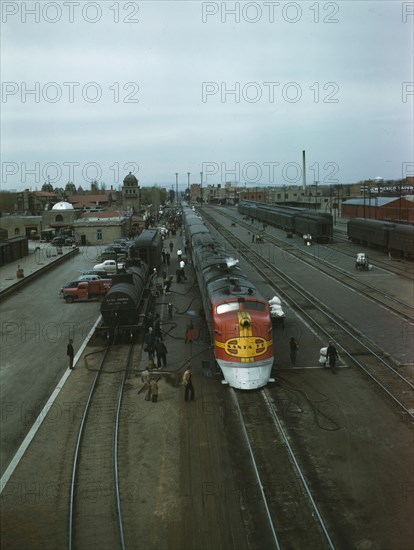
x=63, y=206
x=130, y=179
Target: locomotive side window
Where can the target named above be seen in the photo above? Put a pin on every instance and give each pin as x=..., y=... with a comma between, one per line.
x=256, y=306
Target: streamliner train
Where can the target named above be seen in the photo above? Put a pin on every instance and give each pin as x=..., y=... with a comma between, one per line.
x=238, y=316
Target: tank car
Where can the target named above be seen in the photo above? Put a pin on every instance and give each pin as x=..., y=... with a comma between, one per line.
x=121, y=306
x=238, y=316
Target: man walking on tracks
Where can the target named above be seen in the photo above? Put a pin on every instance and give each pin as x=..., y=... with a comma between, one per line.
x=332, y=356
x=188, y=383
x=70, y=353
x=161, y=351
x=293, y=350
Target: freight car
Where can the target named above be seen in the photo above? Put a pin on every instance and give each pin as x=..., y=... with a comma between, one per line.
x=291, y=219
x=147, y=247
x=13, y=249
x=237, y=315
x=123, y=304
x=397, y=239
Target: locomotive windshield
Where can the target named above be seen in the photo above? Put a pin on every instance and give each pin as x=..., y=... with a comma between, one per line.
x=241, y=306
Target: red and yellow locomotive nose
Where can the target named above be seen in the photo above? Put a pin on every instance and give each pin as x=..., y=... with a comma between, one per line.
x=246, y=346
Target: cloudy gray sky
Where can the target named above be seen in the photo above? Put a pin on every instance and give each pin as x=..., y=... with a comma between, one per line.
x=236, y=90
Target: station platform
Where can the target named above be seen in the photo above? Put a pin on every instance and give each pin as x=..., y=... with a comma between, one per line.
x=41, y=256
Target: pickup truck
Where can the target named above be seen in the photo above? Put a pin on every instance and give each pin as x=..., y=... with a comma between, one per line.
x=86, y=290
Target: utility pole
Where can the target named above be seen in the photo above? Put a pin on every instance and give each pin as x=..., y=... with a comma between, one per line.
x=201, y=186
x=188, y=186
x=176, y=189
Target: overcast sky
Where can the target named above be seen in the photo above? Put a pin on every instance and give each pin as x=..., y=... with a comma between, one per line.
x=236, y=90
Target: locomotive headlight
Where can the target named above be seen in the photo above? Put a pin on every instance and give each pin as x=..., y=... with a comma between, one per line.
x=245, y=323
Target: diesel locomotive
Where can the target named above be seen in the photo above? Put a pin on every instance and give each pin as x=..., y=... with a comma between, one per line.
x=237, y=315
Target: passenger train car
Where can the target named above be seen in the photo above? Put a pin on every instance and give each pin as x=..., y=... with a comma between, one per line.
x=398, y=239
x=238, y=316
x=291, y=219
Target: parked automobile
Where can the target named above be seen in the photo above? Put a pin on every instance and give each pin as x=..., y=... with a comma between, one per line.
x=110, y=266
x=90, y=277
x=111, y=255
x=86, y=290
x=69, y=241
x=58, y=241
x=100, y=272
x=115, y=248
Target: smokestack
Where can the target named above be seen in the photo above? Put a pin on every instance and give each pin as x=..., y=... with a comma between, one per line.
x=303, y=171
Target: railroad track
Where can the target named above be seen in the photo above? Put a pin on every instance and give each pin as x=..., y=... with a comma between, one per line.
x=358, y=351
x=402, y=268
x=95, y=514
x=291, y=511
x=326, y=265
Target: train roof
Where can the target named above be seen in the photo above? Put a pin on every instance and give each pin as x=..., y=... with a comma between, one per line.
x=148, y=237
x=363, y=222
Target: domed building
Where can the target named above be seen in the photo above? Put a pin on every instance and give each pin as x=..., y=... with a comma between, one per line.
x=62, y=205
x=130, y=194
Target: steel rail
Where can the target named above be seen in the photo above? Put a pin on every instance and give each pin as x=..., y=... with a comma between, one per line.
x=116, y=438
x=351, y=281
x=78, y=447
x=256, y=470
x=297, y=467
x=271, y=269
x=77, y=450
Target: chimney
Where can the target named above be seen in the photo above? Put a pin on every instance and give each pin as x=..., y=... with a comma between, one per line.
x=303, y=171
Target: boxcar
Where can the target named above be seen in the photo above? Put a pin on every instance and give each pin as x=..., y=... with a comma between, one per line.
x=148, y=247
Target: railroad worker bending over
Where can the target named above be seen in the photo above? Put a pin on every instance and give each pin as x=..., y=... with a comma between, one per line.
x=188, y=384
x=190, y=333
x=294, y=346
x=332, y=356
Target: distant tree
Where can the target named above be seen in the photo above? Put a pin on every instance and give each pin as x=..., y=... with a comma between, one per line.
x=80, y=190
x=94, y=186
x=70, y=188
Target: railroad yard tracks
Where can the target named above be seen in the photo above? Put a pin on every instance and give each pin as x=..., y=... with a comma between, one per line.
x=326, y=265
x=288, y=503
x=95, y=515
x=358, y=350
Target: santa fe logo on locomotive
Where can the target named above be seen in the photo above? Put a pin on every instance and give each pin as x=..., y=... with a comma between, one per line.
x=245, y=348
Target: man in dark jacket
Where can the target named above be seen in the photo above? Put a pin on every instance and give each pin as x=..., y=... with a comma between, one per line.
x=149, y=343
x=161, y=351
x=70, y=353
x=332, y=356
